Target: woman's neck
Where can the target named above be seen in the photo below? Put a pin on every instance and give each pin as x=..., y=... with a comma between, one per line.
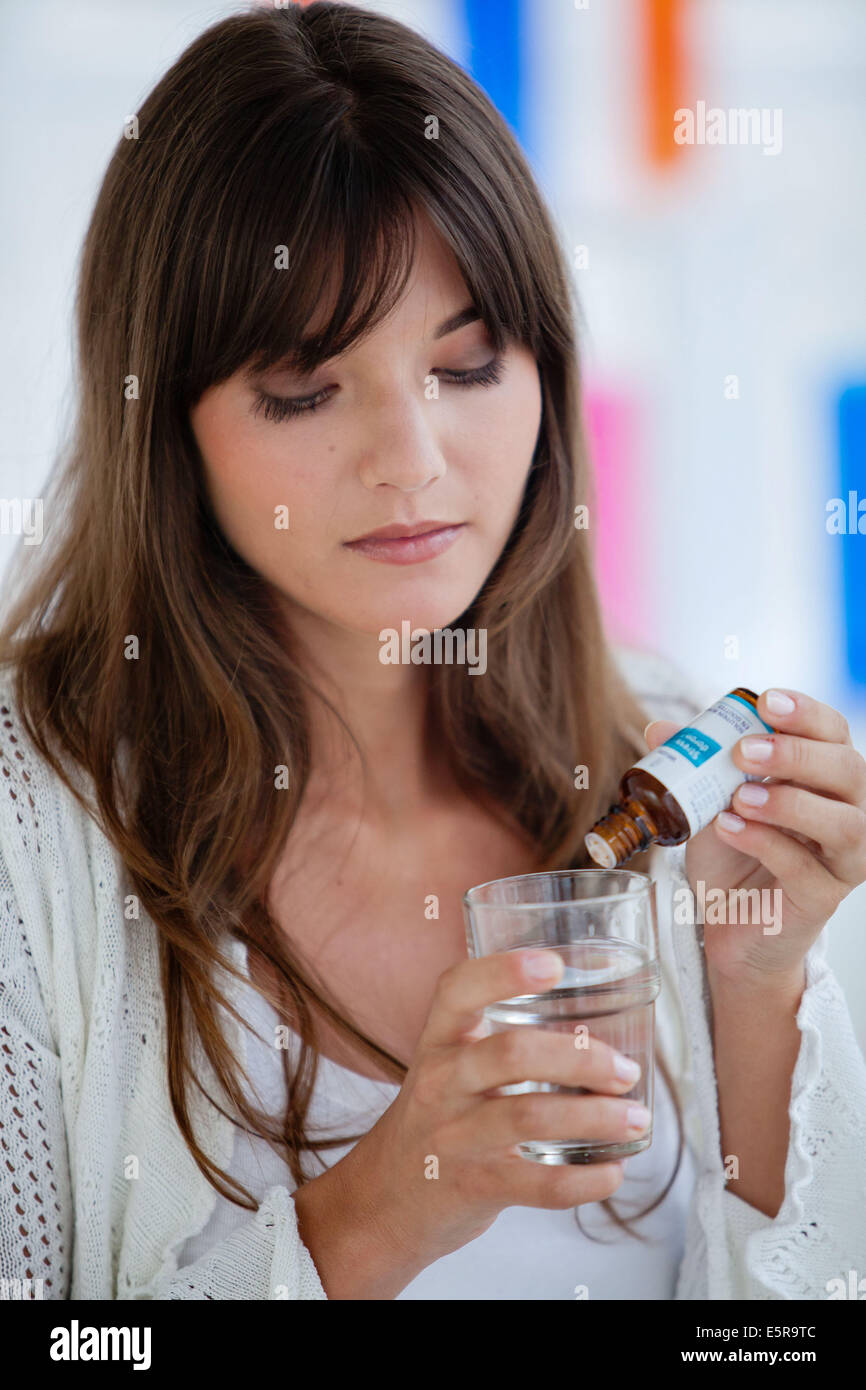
x=385, y=707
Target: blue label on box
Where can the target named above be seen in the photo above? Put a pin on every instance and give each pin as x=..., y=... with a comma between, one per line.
x=694, y=745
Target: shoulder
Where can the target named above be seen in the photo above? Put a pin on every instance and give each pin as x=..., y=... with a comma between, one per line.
x=31, y=789
x=25, y=778
x=659, y=683
x=54, y=852
x=27, y=775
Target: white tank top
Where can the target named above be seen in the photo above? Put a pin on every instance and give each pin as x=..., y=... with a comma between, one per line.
x=528, y=1252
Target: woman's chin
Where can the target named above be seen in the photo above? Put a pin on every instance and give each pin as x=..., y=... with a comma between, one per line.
x=411, y=620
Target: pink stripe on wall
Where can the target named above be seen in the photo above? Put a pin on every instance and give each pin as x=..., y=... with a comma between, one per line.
x=619, y=536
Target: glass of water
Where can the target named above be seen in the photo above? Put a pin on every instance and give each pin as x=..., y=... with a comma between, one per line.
x=602, y=922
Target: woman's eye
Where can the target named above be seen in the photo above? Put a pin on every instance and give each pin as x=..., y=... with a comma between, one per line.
x=284, y=407
x=488, y=375
x=279, y=408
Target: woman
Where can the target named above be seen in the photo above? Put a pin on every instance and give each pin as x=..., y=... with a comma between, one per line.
x=328, y=387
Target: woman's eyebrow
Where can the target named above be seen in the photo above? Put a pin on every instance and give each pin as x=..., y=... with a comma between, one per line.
x=458, y=320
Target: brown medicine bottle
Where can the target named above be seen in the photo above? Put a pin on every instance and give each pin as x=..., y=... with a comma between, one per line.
x=679, y=787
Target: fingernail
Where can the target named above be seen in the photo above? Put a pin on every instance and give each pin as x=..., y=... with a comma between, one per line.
x=757, y=750
x=625, y=1068
x=542, y=965
x=752, y=793
x=779, y=703
x=638, y=1117
x=730, y=822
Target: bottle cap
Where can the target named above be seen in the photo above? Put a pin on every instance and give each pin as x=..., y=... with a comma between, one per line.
x=599, y=850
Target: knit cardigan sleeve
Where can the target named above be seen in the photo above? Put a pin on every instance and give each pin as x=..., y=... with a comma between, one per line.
x=36, y=1206
x=80, y=1101
x=733, y=1250
x=263, y=1259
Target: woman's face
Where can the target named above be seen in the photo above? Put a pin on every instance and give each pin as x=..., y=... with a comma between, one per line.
x=382, y=448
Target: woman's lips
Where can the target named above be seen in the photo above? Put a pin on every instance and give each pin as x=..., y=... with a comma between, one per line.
x=407, y=550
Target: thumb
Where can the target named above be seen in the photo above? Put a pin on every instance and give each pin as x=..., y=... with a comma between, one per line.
x=658, y=730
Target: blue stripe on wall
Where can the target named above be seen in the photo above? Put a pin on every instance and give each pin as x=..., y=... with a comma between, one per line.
x=494, y=59
x=851, y=422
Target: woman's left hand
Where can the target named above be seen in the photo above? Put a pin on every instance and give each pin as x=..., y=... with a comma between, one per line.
x=806, y=843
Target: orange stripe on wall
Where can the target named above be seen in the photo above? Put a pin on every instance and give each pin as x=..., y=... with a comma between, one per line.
x=664, y=75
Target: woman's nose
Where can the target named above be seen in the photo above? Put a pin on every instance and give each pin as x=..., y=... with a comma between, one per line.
x=400, y=447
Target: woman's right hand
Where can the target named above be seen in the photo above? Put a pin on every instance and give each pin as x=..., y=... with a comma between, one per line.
x=444, y=1113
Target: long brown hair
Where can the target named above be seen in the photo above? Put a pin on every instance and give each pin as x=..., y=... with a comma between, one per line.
x=305, y=129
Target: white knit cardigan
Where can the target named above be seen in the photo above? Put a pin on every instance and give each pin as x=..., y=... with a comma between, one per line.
x=98, y=1190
